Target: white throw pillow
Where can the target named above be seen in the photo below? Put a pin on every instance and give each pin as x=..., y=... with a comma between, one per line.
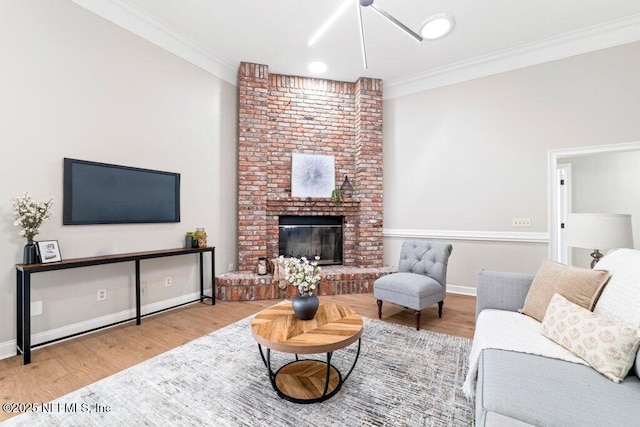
x=620, y=298
x=609, y=347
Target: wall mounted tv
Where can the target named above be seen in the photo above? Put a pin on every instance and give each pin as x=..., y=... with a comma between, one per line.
x=100, y=193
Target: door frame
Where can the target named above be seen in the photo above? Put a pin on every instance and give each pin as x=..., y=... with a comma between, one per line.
x=564, y=207
x=553, y=156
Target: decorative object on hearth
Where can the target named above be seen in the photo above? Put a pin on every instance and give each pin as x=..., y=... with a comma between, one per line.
x=304, y=275
x=262, y=266
x=278, y=272
x=29, y=215
x=312, y=175
x=598, y=231
x=201, y=237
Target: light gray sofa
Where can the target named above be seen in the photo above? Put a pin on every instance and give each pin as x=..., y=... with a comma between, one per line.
x=518, y=389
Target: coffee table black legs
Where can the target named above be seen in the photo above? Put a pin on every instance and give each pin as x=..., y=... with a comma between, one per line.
x=307, y=380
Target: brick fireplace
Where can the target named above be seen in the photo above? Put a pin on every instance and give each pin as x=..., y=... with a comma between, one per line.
x=279, y=115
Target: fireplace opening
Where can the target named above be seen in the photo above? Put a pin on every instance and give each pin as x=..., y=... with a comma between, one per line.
x=310, y=236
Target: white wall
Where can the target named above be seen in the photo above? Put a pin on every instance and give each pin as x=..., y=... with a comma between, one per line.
x=605, y=183
x=75, y=85
x=472, y=156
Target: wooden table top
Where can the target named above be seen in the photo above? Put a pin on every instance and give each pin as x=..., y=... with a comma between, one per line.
x=333, y=327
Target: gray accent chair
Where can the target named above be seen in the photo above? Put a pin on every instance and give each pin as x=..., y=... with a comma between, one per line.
x=421, y=279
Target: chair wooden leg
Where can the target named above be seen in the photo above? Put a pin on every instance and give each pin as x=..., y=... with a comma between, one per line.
x=440, y=304
x=417, y=320
x=379, y=308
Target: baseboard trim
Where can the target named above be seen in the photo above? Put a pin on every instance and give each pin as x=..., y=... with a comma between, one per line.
x=486, y=236
x=8, y=348
x=461, y=290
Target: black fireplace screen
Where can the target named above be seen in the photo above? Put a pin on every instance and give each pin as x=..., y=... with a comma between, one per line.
x=311, y=236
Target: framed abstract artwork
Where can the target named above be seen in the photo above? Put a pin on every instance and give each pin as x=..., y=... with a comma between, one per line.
x=312, y=175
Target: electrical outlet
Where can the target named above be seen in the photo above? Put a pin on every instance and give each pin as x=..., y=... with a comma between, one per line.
x=36, y=308
x=167, y=281
x=143, y=287
x=102, y=294
x=521, y=222
x=231, y=267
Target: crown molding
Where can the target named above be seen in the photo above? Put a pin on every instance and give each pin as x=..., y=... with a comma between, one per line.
x=613, y=33
x=141, y=23
x=134, y=19
x=485, y=236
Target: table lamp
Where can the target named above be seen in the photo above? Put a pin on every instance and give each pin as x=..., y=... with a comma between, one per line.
x=598, y=232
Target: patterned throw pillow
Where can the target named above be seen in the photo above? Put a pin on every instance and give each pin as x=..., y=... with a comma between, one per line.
x=609, y=347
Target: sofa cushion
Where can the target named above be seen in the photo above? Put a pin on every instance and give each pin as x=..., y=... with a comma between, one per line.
x=543, y=391
x=579, y=285
x=609, y=347
x=408, y=290
x=621, y=297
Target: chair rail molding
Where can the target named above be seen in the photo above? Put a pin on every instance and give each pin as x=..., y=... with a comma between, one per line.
x=486, y=236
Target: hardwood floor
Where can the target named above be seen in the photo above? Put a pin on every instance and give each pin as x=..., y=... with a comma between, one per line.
x=58, y=369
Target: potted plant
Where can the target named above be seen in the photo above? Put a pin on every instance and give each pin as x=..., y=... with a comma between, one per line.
x=30, y=215
x=305, y=276
x=337, y=197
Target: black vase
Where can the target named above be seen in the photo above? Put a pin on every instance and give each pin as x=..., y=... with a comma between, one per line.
x=29, y=255
x=305, y=306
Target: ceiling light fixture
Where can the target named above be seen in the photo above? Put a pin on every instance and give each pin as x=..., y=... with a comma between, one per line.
x=369, y=3
x=363, y=46
x=437, y=26
x=363, y=3
x=317, y=67
x=394, y=21
x=329, y=22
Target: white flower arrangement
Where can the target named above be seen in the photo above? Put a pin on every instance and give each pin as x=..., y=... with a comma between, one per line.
x=30, y=214
x=301, y=273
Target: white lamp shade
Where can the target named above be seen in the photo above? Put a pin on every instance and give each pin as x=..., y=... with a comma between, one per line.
x=598, y=231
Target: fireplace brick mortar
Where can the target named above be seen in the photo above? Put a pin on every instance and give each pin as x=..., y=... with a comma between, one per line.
x=279, y=115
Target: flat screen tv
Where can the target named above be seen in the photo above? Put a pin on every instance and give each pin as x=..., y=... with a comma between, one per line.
x=100, y=193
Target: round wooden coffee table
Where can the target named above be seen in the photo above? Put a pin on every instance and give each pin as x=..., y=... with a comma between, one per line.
x=307, y=380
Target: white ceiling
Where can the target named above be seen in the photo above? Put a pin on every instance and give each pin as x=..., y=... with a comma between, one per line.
x=490, y=35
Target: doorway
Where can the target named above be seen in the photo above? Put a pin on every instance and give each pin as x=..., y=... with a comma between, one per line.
x=562, y=199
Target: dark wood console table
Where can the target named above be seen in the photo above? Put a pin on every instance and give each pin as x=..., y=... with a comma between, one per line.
x=23, y=277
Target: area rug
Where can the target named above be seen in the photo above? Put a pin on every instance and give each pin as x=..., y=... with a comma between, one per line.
x=403, y=377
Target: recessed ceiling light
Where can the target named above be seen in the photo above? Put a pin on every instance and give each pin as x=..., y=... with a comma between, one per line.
x=437, y=26
x=317, y=67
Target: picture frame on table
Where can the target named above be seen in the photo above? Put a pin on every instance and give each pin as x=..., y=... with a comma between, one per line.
x=49, y=251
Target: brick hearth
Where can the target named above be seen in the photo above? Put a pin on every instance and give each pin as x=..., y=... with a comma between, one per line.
x=336, y=280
